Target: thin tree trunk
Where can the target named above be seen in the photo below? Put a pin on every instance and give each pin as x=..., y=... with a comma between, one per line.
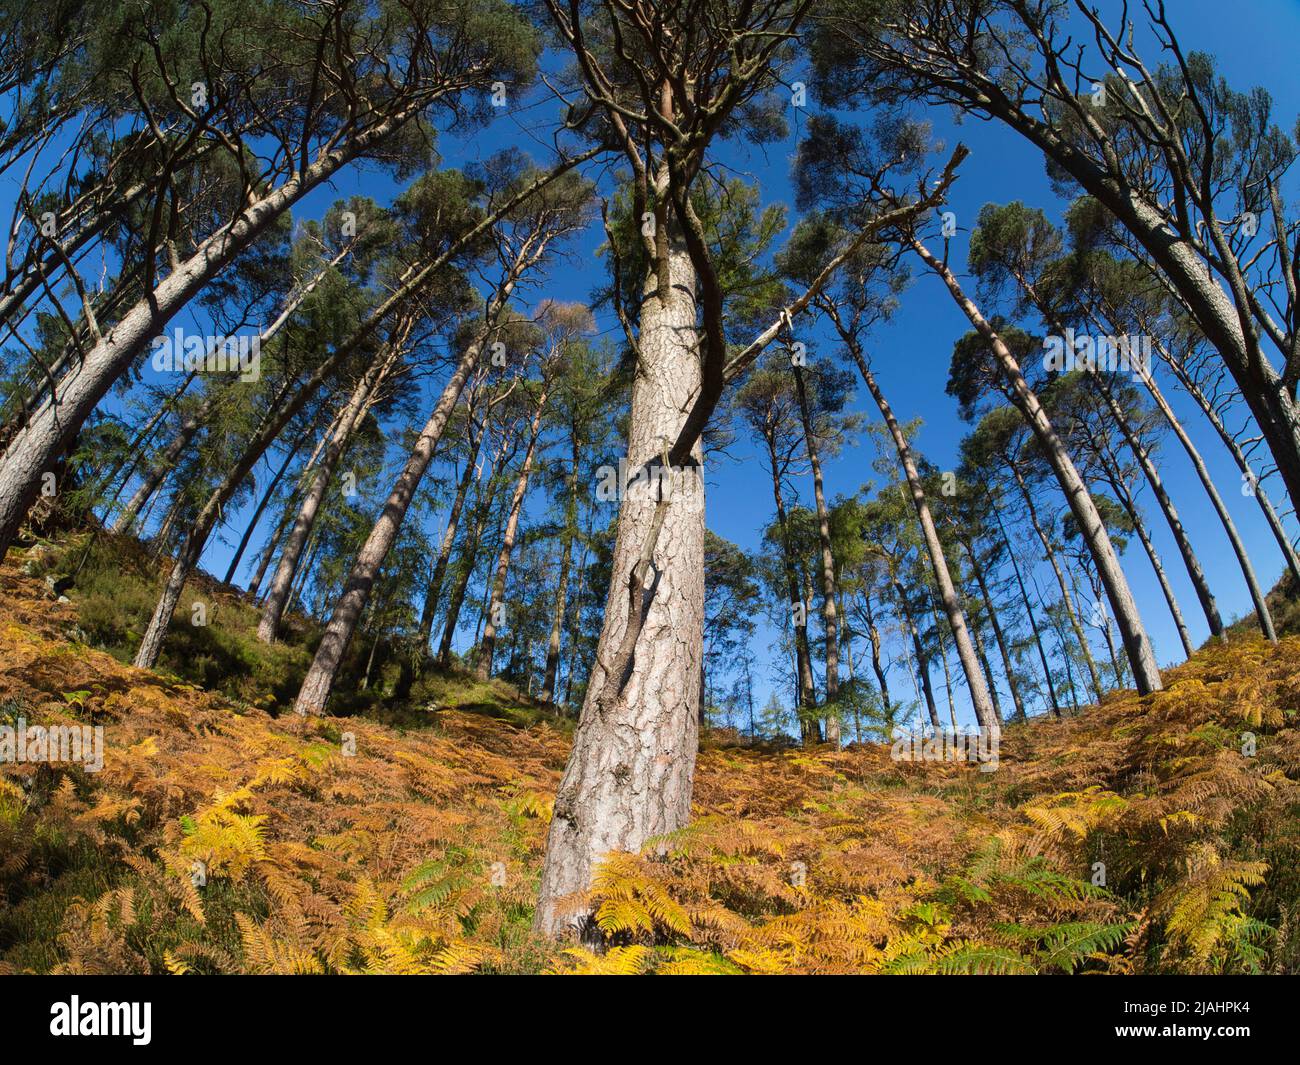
x=943, y=660
x=873, y=635
x=798, y=614
x=496, y=601
x=1243, y=464
x=975, y=681
x=345, y=424
x=830, y=616
x=347, y=611
x=1067, y=597
x=562, y=589
x=1257, y=597
x=434, y=590
x=281, y=527
x=1175, y=523
x=1029, y=613
x=922, y=660
x=1126, y=500
x=1142, y=659
x=469, y=555
x=262, y=504
x=1003, y=649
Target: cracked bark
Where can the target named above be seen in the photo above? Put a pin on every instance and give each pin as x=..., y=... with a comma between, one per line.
x=632, y=766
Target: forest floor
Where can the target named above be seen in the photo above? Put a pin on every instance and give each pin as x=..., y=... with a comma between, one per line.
x=1156, y=834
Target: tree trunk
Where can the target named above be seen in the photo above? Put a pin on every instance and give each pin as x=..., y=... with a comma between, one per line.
x=1257, y=597
x=975, y=681
x=632, y=764
x=830, y=616
x=496, y=602
x=1243, y=464
x=1067, y=597
x=922, y=661
x=434, y=590
x=873, y=634
x=469, y=555
x=262, y=504
x=281, y=527
x=806, y=696
x=1170, y=512
x=999, y=637
x=347, y=611
x=1127, y=501
x=562, y=588
x=58, y=421
x=1141, y=655
x=345, y=424
x=1029, y=613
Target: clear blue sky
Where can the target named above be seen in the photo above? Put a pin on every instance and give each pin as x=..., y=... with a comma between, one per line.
x=1254, y=41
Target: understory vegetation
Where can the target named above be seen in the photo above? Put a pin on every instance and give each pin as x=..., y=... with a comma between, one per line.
x=1134, y=837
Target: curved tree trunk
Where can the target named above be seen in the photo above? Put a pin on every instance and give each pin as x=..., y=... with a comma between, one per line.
x=1170, y=512
x=1243, y=464
x=1257, y=597
x=58, y=421
x=1141, y=655
x=632, y=765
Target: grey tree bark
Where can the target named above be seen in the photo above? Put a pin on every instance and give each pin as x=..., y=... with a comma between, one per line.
x=830, y=617
x=985, y=713
x=496, y=602
x=1137, y=644
x=632, y=765
x=342, y=625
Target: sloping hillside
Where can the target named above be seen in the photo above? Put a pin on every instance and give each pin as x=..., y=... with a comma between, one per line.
x=221, y=838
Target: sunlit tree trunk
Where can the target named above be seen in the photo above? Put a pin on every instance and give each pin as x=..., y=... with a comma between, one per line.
x=434, y=590
x=260, y=509
x=345, y=424
x=975, y=680
x=1126, y=500
x=1029, y=614
x=1141, y=655
x=496, y=600
x=922, y=660
x=1067, y=597
x=830, y=616
x=632, y=765
x=998, y=635
x=347, y=611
